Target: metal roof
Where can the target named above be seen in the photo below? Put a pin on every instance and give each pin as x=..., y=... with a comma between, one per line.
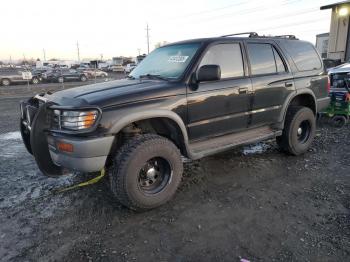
x=334, y=5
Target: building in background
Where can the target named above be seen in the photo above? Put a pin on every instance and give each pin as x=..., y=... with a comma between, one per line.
x=322, y=44
x=339, y=33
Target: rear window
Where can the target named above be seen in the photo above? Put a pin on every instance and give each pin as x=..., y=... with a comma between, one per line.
x=304, y=55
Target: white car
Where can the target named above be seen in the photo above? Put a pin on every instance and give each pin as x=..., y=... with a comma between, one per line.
x=129, y=67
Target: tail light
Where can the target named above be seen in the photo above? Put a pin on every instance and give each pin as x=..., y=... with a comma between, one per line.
x=329, y=85
x=347, y=97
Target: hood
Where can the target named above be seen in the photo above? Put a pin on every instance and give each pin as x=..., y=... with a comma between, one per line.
x=344, y=68
x=115, y=92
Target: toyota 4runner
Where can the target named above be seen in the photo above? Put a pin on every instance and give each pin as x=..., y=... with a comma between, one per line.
x=193, y=98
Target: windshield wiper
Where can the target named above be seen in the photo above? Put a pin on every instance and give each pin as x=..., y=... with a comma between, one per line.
x=151, y=76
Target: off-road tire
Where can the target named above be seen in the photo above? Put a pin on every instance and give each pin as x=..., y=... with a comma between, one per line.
x=5, y=82
x=130, y=158
x=289, y=141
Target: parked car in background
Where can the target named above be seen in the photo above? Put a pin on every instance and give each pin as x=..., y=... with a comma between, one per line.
x=129, y=67
x=338, y=74
x=11, y=76
x=92, y=72
x=116, y=68
x=63, y=75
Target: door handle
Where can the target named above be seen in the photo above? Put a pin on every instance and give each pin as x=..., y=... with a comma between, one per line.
x=243, y=90
x=288, y=84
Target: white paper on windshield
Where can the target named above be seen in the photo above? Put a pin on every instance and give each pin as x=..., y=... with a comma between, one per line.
x=177, y=59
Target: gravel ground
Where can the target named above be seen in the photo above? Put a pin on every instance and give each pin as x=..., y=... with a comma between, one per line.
x=253, y=202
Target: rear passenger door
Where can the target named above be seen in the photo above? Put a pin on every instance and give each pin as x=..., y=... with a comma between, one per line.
x=272, y=82
x=220, y=107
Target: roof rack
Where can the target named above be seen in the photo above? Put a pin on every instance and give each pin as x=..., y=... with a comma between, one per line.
x=254, y=34
x=250, y=34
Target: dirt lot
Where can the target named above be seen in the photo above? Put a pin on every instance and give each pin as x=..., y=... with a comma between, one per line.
x=252, y=202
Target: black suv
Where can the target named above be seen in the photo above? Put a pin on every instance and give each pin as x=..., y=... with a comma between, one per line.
x=193, y=98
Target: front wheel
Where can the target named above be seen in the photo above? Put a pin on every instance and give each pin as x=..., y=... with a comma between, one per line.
x=83, y=78
x=5, y=82
x=35, y=80
x=146, y=172
x=299, y=130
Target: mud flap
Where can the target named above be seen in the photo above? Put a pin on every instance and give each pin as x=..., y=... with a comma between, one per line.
x=39, y=145
x=25, y=136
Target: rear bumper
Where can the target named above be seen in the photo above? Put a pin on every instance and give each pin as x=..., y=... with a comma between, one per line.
x=89, y=154
x=322, y=103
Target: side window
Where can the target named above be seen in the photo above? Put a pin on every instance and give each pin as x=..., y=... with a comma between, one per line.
x=228, y=57
x=304, y=55
x=262, y=60
x=280, y=66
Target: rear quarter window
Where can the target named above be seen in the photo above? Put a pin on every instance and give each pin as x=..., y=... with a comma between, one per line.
x=304, y=55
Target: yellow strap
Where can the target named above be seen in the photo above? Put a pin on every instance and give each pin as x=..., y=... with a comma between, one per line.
x=86, y=183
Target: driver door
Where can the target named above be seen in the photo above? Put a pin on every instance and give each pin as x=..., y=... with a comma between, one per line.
x=222, y=106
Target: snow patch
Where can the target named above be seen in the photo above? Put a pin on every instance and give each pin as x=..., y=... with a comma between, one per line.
x=255, y=149
x=11, y=136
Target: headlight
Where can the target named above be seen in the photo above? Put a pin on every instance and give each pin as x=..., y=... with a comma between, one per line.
x=75, y=120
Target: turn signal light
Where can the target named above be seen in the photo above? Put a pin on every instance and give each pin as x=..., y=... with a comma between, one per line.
x=65, y=147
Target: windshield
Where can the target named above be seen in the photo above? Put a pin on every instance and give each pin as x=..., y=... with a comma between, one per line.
x=168, y=62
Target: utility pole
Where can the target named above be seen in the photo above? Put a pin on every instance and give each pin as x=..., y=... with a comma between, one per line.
x=44, y=54
x=78, y=51
x=139, y=51
x=101, y=56
x=147, y=29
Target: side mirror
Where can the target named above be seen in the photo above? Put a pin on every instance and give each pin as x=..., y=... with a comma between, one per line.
x=209, y=73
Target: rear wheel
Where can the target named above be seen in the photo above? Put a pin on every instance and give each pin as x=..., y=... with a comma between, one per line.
x=5, y=82
x=146, y=172
x=83, y=78
x=60, y=79
x=299, y=130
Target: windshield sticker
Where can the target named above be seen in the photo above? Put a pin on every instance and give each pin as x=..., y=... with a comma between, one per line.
x=177, y=59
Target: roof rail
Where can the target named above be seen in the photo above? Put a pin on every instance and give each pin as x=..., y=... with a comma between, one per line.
x=287, y=36
x=251, y=34
x=254, y=34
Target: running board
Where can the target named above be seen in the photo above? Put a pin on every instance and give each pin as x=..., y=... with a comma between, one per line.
x=222, y=143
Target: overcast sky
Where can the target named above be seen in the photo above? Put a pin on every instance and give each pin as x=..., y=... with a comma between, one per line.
x=115, y=28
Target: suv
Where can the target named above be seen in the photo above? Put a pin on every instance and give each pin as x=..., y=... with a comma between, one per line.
x=193, y=98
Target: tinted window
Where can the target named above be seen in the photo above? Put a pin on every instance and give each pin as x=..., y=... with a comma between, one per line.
x=304, y=55
x=228, y=57
x=281, y=68
x=261, y=59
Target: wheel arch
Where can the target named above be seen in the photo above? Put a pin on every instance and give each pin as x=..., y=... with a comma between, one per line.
x=301, y=98
x=163, y=122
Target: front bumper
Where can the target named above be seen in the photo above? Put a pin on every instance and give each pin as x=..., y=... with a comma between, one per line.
x=322, y=103
x=89, y=154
